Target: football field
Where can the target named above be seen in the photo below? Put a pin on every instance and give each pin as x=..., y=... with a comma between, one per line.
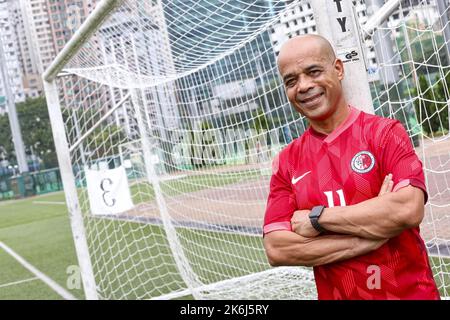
x=37, y=233
x=37, y=254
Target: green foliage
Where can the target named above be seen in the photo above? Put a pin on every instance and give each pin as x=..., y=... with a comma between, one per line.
x=6, y=144
x=260, y=122
x=422, y=45
x=106, y=140
x=36, y=131
x=431, y=108
x=425, y=60
x=206, y=125
x=103, y=141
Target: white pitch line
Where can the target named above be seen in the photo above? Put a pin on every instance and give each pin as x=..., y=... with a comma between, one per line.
x=47, y=280
x=17, y=282
x=49, y=202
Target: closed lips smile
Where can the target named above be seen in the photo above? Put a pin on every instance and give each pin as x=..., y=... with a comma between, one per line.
x=310, y=99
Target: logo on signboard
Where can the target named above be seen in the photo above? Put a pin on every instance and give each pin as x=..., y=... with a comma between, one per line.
x=350, y=55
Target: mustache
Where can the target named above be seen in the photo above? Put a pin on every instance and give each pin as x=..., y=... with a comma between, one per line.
x=300, y=97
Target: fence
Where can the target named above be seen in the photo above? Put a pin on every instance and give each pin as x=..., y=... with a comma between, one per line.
x=30, y=184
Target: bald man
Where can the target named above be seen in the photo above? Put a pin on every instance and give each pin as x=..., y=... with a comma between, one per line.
x=346, y=197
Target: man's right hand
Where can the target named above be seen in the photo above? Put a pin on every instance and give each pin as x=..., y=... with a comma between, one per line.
x=387, y=186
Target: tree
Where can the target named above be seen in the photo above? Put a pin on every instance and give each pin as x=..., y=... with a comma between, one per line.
x=36, y=132
x=431, y=110
x=260, y=122
x=6, y=144
x=106, y=141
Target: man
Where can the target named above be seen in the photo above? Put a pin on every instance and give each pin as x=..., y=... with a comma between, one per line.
x=330, y=204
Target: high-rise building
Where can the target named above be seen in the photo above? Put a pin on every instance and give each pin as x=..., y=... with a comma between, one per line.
x=64, y=19
x=65, y=16
x=42, y=28
x=141, y=52
x=203, y=33
x=10, y=56
x=33, y=42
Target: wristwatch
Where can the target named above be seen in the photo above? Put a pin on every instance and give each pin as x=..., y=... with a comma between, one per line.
x=314, y=216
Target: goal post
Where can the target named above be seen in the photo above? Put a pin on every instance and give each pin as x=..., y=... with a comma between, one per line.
x=336, y=22
x=184, y=99
x=73, y=207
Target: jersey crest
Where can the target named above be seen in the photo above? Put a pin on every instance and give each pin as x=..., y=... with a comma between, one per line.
x=363, y=162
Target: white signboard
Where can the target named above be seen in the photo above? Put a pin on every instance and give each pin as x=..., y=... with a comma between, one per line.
x=344, y=35
x=108, y=191
x=336, y=22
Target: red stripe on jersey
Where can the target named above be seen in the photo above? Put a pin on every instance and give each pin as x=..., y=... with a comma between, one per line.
x=286, y=226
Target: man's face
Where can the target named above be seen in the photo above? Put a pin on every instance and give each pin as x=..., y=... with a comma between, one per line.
x=312, y=80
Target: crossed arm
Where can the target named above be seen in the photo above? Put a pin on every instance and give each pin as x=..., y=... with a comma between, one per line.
x=362, y=228
x=286, y=248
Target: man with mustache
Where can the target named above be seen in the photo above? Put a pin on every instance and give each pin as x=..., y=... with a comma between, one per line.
x=346, y=197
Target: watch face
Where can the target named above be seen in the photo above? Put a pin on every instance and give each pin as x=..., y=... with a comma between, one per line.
x=316, y=211
x=314, y=217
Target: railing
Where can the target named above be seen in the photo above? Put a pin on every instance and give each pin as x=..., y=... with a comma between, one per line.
x=30, y=184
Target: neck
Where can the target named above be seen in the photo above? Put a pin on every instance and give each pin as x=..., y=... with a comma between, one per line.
x=329, y=124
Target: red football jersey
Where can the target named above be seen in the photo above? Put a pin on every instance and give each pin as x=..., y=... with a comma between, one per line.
x=344, y=168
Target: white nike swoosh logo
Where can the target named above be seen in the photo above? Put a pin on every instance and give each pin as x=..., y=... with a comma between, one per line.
x=295, y=180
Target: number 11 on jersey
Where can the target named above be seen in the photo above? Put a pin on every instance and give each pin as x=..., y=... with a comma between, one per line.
x=330, y=199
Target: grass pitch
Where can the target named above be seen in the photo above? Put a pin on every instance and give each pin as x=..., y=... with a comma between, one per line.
x=37, y=229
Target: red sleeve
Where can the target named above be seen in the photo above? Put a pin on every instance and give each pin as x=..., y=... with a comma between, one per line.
x=399, y=158
x=281, y=202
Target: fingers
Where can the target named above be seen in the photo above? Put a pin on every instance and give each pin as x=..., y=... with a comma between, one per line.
x=384, y=186
x=389, y=182
x=294, y=221
x=387, y=186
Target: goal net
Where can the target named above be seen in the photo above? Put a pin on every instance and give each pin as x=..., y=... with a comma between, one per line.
x=173, y=111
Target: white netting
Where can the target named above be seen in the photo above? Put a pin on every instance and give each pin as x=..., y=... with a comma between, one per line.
x=413, y=86
x=186, y=96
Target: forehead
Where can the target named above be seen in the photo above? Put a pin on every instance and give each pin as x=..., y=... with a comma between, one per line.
x=297, y=58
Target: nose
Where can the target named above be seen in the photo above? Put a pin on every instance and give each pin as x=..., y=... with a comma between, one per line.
x=304, y=84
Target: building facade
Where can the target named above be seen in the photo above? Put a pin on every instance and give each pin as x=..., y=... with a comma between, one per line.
x=10, y=56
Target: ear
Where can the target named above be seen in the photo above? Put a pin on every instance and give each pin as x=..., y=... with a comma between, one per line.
x=339, y=68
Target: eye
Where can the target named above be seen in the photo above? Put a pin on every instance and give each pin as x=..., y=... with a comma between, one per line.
x=315, y=72
x=290, y=83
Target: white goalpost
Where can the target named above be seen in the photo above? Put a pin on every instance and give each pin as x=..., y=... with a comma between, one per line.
x=166, y=116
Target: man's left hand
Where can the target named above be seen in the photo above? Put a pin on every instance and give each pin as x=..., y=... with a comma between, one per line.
x=301, y=224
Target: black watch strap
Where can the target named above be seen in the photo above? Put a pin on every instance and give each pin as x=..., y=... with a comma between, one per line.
x=314, y=216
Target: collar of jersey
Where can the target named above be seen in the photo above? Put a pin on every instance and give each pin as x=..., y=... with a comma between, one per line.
x=351, y=118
